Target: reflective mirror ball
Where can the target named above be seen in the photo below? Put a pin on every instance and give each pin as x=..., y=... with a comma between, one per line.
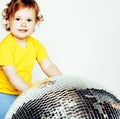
x=66, y=97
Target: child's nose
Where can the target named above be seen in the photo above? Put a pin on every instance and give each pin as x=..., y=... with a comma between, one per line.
x=23, y=23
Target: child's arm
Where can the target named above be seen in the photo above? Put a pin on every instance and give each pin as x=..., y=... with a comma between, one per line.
x=15, y=79
x=49, y=68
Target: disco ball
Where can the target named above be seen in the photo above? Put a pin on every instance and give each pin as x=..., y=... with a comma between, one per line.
x=66, y=97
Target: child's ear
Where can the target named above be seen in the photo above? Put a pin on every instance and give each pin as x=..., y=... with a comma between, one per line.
x=7, y=24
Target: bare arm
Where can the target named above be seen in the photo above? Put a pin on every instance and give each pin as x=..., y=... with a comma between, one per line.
x=49, y=68
x=15, y=79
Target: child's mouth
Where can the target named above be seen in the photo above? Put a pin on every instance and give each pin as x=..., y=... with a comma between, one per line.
x=22, y=30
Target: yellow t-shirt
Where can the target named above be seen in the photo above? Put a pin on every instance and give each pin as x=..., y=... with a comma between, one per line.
x=13, y=54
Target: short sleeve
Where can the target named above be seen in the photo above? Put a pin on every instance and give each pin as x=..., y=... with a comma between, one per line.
x=41, y=52
x=6, y=57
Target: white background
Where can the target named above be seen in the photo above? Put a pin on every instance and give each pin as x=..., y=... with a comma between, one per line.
x=82, y=38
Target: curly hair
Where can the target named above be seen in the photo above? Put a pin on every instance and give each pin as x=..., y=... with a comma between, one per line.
x=14, y=5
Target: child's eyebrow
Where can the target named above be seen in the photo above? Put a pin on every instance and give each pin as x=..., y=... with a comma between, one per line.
x=25, y=17
x=17, y=16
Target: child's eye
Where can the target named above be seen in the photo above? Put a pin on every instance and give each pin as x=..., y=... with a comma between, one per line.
x=17, y=19
x=29, y=20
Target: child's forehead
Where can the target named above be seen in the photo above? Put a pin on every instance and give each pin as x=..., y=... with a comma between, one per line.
x=25, y=10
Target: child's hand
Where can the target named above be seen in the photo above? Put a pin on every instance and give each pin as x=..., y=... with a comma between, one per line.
x=115, y=105
x=43, y=83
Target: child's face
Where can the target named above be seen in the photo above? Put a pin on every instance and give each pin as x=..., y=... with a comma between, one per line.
x=23, y=23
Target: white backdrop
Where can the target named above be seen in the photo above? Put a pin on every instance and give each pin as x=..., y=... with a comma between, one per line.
x=82, y=38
